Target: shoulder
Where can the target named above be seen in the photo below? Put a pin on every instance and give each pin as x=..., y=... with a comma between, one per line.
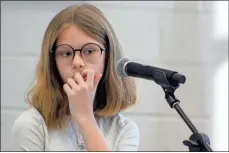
x=29, y=117
x=28, y=131
x=120, y=123
x=29, y=121
x=123, y=132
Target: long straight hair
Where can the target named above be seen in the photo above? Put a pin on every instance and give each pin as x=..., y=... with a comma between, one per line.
x=113, y=94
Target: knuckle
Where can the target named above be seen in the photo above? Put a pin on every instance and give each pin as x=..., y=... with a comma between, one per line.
x=69, y=80
x=84, y=87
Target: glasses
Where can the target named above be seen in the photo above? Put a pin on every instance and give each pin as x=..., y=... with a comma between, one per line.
x=90, y=53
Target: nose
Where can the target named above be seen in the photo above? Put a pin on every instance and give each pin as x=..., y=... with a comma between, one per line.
x=78, y=62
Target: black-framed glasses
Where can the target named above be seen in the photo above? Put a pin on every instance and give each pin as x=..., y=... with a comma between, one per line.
x=90, y=53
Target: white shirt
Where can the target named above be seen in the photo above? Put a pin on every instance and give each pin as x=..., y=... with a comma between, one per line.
x=30, y=133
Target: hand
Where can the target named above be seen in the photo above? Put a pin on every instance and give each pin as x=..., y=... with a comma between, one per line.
x=81, y=93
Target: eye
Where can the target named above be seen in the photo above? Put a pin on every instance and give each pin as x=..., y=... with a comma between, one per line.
x=88, y=51
x=67, y=53
x=64, y=53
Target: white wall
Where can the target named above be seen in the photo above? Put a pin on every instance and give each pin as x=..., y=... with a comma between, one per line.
x=173, y=35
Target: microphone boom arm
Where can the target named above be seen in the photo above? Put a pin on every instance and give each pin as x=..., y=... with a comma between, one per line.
x=197, y=141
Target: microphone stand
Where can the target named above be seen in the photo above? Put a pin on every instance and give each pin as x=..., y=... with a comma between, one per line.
x=197, y=141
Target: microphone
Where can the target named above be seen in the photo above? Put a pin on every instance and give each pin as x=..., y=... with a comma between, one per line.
x=125, y=68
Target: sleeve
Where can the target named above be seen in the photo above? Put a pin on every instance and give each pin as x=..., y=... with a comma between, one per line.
x=27, y=134
x=129, y=138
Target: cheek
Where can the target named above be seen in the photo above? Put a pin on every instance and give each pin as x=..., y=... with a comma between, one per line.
x=101, y=65
x=65, y=72
x=98, y=68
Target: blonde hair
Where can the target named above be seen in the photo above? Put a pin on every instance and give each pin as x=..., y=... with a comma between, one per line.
x=113, y=94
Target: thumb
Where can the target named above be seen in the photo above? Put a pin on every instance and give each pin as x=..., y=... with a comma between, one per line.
x=97, y=79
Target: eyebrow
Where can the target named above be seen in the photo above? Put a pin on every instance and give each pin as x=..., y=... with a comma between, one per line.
x=80, y=45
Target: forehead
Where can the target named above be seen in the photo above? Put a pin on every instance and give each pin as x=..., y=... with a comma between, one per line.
x=74, y=37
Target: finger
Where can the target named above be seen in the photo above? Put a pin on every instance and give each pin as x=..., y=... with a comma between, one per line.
x=78, y=78
x=68, y=90
x=90, y=76
x=97, y=79
x=72, y=84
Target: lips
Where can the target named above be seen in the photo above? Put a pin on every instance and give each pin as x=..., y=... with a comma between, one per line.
x=84, y=77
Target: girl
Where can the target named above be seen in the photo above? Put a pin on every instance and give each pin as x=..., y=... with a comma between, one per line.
x=78, y=94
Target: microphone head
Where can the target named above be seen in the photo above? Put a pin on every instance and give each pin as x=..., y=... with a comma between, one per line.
x=121, y=66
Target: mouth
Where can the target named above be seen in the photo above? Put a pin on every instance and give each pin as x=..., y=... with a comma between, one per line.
x=84, y=77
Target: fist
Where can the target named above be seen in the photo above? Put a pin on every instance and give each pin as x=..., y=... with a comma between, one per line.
x=81, y=91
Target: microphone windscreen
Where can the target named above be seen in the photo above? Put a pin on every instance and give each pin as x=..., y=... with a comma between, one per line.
x=121, y=65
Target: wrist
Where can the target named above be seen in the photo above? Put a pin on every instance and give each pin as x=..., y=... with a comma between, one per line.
x=85, y=119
